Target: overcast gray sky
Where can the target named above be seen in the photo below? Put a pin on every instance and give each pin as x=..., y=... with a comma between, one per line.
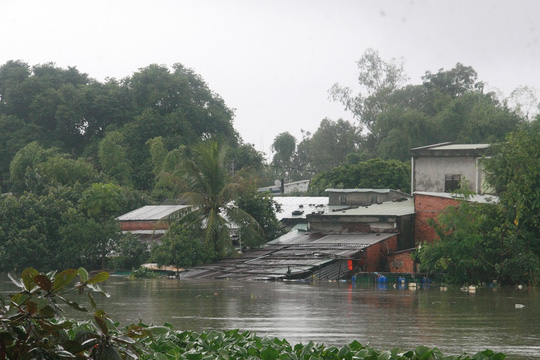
x=274, y=60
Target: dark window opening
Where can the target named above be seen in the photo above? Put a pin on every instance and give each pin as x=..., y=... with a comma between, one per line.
x=451, y=182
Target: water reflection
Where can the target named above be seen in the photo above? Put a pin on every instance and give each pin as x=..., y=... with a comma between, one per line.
x=338, y=313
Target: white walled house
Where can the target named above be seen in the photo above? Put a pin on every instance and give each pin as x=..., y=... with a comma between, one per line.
x=441, y=167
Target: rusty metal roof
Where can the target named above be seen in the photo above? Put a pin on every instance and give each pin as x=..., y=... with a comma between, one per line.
x=296, y=254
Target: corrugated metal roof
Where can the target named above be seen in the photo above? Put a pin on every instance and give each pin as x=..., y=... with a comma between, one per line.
x=319, y=240
x=353, y=239
x=295, y=237
x=294, y=255
x=305, y=204
x=391, y=208
x=460, y=147
x=151, y=212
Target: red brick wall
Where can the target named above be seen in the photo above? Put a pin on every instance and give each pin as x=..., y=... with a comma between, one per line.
x=142, y=225
x=401, y=262
x=372, y=257
x=428, y=207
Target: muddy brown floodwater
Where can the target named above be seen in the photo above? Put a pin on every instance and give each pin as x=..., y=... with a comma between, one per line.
x=500, y=319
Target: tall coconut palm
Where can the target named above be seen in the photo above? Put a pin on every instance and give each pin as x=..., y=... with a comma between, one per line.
x=205, y=184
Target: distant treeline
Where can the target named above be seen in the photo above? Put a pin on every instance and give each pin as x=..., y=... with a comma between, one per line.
x=67, y=110
x=392, y=117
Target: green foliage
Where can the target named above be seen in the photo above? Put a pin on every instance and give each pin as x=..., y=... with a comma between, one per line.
x=449, y=105
x=26, y=159
x=500, y=241
x=30, y=230
x=144, y=273
x=113, y=158
x=14, y=135
x=263, y=209
x=468, y=249
x=129, y=253
x=234, y=344
x=205, y=184
x=375, y=173
x=31, y=326
x=102, y=201
x=244, y=157
x=182, y=246
x=327, y=147
x=37, y=169
x=65, y=109
x=514, y=171
x=284, y=146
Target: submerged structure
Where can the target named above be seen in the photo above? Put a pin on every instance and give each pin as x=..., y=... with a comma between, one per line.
x=351, y=230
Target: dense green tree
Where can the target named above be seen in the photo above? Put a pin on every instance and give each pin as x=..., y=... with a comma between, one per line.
x=26, y=159
x=37, y=169
x=65, y=109
x=244, y=157
x=378, y=79
x=374, y=173
x=514, y=171
x=449, y=105
x=158, y=153
x=14, y=135
x=284, y=146
x=130, y=253
x=182, y=247
x=263, y=209
x=60, y=170
x=468, y=249
x=30, y=231
x=102, y=203
x=399, y=130
x=113, y=158
x=455, y=82
x=331, y=143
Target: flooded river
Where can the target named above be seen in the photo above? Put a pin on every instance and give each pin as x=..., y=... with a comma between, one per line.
x=506, y=320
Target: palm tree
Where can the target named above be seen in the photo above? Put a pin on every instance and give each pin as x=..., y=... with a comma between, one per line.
x=205, y=184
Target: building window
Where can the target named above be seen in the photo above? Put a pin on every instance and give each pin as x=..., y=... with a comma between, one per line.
x=451, y=182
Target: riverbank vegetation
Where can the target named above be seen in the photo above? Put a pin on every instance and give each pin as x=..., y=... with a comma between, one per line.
x=32, y=326
x=392, y=116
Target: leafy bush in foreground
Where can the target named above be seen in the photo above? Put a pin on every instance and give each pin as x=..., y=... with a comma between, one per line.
x=31, y=328
x=234, y=344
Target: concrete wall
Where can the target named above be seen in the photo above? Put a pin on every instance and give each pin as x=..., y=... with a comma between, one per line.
x=362, y=198
x=429, y=172
x=297, y=186
x=428, y=207
x=352, y=224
